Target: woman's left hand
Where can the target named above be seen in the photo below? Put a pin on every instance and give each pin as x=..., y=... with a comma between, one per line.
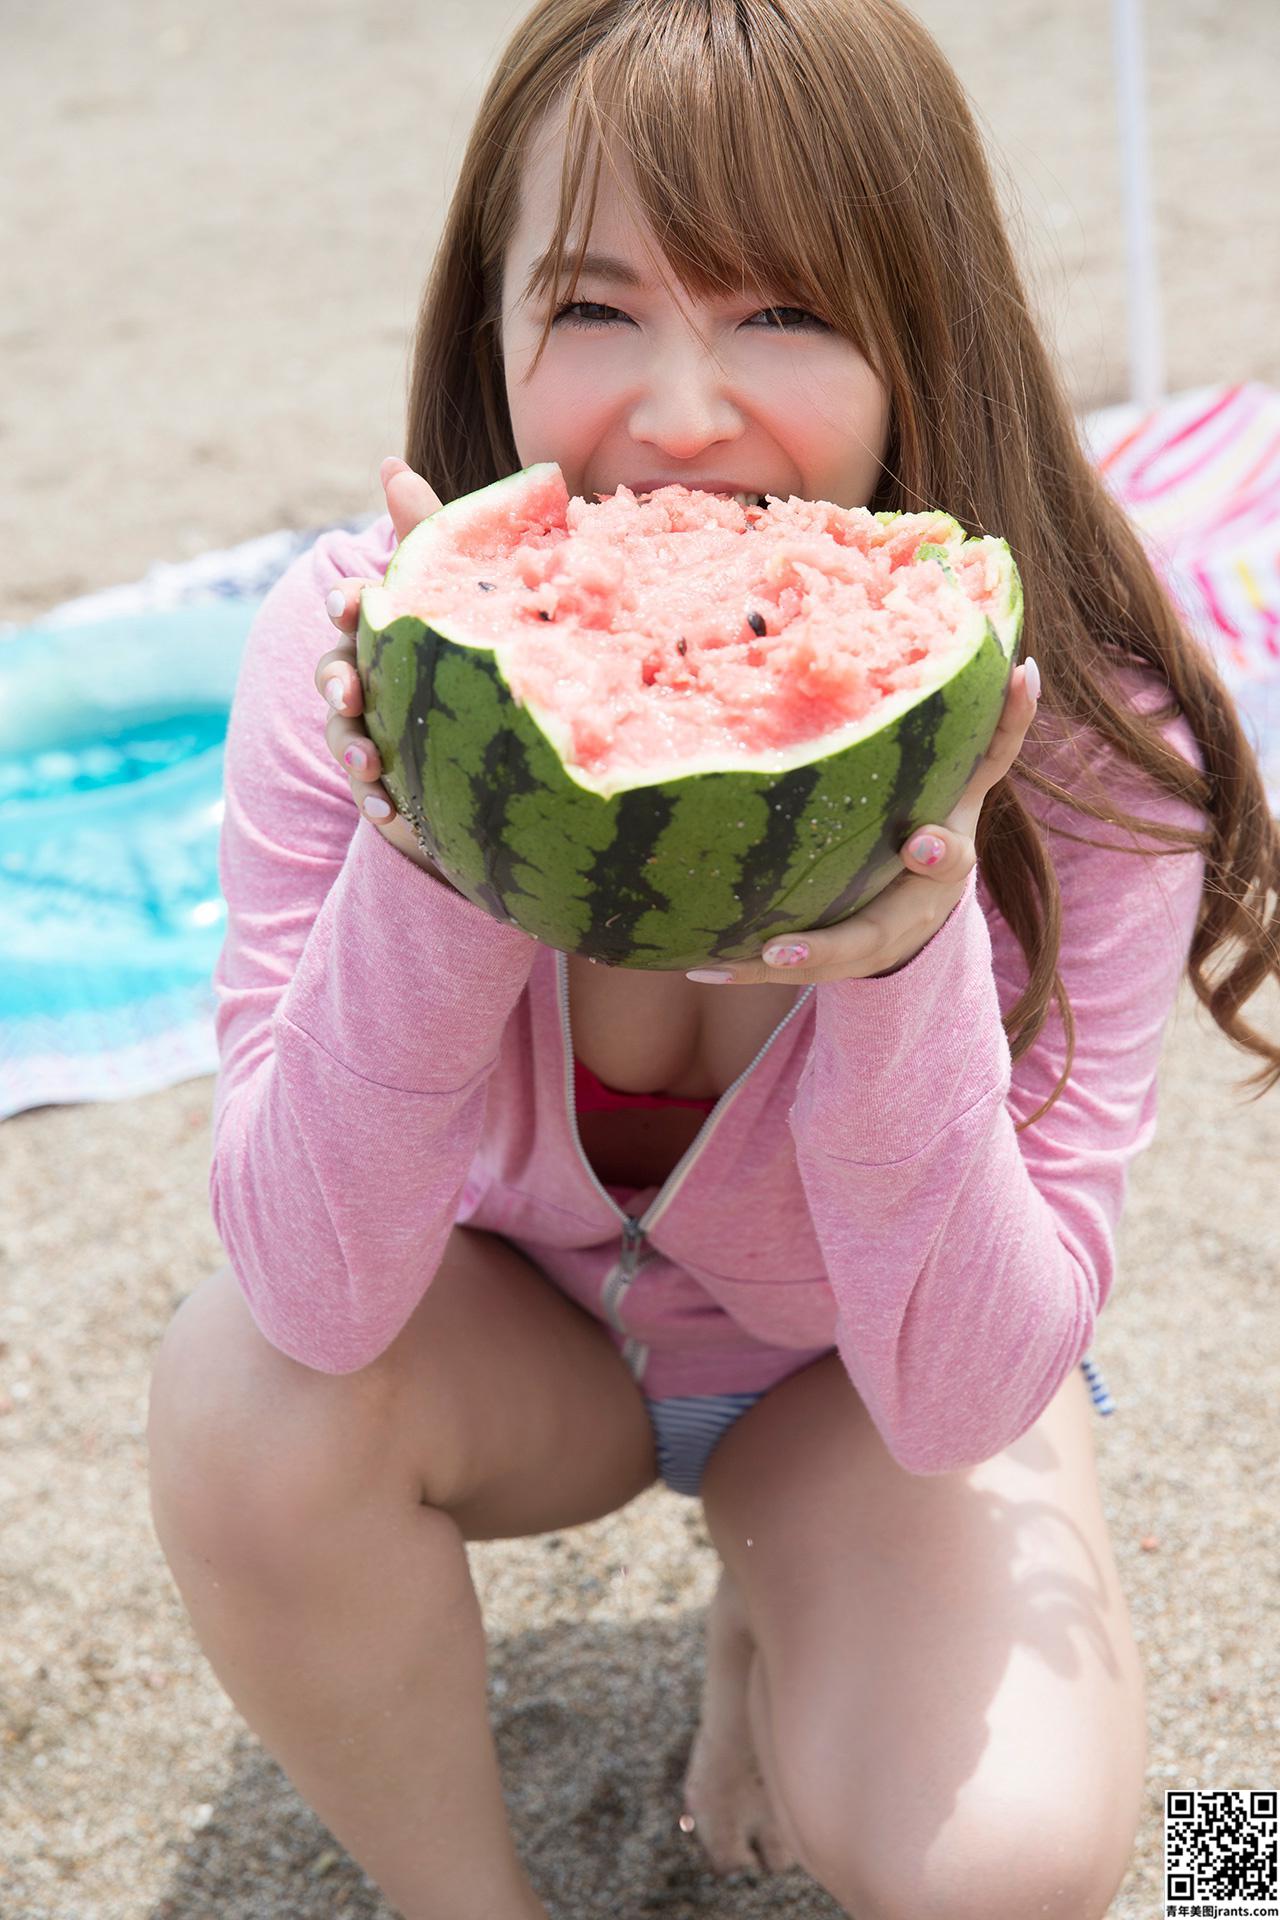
x=892, y=929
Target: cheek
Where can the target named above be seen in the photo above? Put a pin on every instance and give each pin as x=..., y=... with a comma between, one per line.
x=866, y=412
x=865, y=405
x=830, y=406
x=552, y=412
x=838, y=440
x=877, y=412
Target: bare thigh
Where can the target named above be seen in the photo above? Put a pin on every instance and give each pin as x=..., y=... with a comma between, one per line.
x=501, y=1400
x=950, y=1693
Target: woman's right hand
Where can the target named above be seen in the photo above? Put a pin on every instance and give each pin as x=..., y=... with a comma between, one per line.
x=409, y=500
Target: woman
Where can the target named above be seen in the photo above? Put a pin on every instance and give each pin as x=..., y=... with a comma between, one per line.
x=839, y=1280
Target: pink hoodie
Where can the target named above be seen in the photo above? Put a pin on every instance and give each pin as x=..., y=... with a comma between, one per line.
x=394, y=1061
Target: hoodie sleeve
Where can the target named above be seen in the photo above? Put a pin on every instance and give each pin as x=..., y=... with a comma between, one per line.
x=970, y=1261
x=360, y=1005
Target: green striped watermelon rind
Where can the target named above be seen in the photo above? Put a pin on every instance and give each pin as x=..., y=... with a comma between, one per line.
x=704, y=865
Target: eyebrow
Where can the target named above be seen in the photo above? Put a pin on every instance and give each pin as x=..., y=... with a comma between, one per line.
x=596, y=266
x=604, y=266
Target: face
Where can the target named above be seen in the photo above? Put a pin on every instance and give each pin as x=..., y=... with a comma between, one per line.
x=744, y=394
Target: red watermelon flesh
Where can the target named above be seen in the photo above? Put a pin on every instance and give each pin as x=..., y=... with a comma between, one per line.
x=636, y=622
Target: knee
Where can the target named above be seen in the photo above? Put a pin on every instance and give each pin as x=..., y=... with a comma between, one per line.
x=248, y=1451
x=1014, y=1865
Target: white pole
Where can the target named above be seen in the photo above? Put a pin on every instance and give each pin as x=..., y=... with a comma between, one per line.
x=1146, y=351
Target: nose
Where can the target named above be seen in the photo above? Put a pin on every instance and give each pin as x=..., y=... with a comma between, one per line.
x=686, y=406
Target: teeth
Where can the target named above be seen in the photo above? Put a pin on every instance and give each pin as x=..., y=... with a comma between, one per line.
x=749, y=499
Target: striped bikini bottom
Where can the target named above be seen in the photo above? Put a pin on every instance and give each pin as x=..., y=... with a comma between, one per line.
x=687, y=1427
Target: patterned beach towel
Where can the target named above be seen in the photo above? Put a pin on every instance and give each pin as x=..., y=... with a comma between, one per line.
x=113, y=711
x=1199, y=476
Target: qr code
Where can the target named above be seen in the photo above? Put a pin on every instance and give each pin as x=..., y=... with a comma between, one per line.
x=1220, y=1853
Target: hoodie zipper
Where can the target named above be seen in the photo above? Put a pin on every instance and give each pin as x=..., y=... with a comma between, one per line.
x=619, y=1279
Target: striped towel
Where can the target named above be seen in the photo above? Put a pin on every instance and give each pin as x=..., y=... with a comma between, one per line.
x=1200, y=477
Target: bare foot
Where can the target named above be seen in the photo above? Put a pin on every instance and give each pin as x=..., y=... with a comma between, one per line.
x=724, y=1788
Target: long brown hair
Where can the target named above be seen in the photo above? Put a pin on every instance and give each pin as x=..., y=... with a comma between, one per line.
x=883, y=219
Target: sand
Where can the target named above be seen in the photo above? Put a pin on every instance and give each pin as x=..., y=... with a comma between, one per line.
x=223, y=219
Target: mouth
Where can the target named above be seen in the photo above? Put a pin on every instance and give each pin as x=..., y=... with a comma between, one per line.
x=744, y=497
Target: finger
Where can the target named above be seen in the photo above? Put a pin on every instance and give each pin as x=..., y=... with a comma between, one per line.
x=938, y=853
x=1016, y=715
x=342, y=602
x=409, y=498
x=856, y=943
x=800, y=959
x=1006, y=744
x=338, y=681
x=353, y=750
x=1018, y=712
x=367, y=791
x=352, y=747
x=793, y=959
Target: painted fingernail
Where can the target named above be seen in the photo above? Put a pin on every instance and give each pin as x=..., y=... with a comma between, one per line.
x=335, y=602
x=335, y=691
x=709, y=976
x=356, y=758
x=927, y=849
x=376, y=807
x=786, y=956
x=1033, y=678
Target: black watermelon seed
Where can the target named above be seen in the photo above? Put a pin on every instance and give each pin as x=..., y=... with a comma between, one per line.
x=485, y=586
x=682, y=645
x=542, y=614
x=756, y=622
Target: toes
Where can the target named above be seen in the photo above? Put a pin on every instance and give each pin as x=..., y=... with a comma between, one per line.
x=735, y=1826
x=721, y=1833
x=723, y=1843
x=773, y=1850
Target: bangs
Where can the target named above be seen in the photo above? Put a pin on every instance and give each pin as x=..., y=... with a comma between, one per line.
x=691, y=106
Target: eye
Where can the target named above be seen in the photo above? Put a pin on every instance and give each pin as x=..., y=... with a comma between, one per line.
x=587, y=313
x=790, y=319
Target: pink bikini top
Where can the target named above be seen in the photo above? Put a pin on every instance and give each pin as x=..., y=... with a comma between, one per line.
x=592, y=1096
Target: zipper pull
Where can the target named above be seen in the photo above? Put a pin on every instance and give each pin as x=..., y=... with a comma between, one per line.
x=632, y=1237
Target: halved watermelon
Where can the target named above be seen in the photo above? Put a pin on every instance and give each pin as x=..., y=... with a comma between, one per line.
x=658, y=731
